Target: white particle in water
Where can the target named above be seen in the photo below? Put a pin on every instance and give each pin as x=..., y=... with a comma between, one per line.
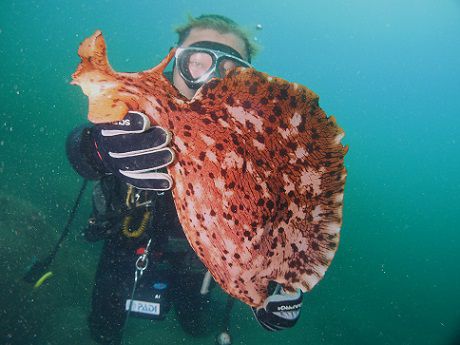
x=224, y=339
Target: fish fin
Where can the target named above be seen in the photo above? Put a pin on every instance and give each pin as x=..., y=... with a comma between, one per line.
x=93, y=52
x=159, y=69
x=105, y=104
x=98, y=81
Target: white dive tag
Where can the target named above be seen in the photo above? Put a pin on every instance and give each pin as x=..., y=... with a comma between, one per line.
x=143, y=307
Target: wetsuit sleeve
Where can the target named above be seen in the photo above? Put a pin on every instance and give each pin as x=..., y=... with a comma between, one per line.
x=82, y=154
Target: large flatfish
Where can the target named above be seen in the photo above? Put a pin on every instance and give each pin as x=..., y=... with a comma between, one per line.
x=259, y=174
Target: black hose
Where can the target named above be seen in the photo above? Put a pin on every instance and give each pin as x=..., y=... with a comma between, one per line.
x=40, y=267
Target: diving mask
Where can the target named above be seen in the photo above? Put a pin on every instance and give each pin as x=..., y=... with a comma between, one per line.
x=204, y=60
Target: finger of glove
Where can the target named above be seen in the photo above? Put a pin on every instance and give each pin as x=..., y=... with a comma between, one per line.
x=147, y=180
x=270, y=321
x=274, y=323
x=283, y=296
x=291, y=295
x=282, y=301
x=145, y=161
x=135, y=143
x=133, y=122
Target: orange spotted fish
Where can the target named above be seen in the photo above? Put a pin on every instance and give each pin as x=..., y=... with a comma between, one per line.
x=259, y=175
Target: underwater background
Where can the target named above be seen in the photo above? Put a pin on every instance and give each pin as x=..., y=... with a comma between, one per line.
x=389, y=71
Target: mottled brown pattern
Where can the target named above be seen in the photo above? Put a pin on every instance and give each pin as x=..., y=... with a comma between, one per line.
x=259, y=175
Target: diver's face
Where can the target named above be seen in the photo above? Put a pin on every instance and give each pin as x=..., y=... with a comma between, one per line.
x=198, y=35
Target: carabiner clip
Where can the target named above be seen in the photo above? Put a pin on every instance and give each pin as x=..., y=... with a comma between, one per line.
x=142, y=262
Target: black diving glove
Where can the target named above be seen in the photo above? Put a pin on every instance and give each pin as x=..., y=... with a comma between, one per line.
x=280, y=310
x=134, y=151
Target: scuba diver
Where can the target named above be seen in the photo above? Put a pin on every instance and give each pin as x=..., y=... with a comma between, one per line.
x=146, y=265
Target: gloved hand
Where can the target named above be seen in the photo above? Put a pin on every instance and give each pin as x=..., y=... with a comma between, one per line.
x=134, y=151
x=280, y=310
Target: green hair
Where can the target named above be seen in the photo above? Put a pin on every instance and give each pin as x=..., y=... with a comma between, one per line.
x=219, y=23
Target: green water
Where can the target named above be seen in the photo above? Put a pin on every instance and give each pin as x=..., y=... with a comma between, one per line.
x=388, y=70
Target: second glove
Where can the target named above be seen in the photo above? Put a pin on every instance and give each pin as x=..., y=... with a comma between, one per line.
x=280, y=310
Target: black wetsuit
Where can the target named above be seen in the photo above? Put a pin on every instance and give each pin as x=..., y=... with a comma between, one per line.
x=171, y=259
